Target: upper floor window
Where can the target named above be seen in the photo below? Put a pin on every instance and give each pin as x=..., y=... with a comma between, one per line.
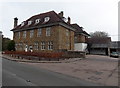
x=31, y=33
x=37, y=21
x=50, y=45
x=39, y=32
x=42, y=45
x=29, y=22
x=24, y=34
x=67, y=32
x=18, y=34
x=48, y=31
x=46, y=19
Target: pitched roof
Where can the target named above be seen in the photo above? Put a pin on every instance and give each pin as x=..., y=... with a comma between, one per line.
x=79, y=30
x=54, y=18
x=77, y=27
x=99, y=40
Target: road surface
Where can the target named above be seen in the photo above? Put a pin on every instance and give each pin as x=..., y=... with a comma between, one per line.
x=101, y=58
x=19, y=74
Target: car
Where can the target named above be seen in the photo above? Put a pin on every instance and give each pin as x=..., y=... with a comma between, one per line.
x=114, y=54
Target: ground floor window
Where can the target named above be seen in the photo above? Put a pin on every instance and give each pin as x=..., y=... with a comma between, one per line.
x=42, y=45
x=36, y=46
x=20, y=46
x=16, y=46
x=50, y=45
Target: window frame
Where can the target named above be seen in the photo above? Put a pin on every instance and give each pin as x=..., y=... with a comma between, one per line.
x=29, y=22
x=48, y=31
x=31, y=33
x=36, y=46
x=37, y=21
x=39, y=33
x=46, y=19
x=24, y=34
x=50, y=45
x=42, y=45
x=67, y=32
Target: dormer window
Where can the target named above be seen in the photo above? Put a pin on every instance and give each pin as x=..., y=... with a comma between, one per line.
x=29, y=22
x=46, y=19
x=22, y=24
x=37, y=21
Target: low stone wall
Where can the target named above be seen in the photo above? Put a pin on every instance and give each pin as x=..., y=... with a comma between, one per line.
x=74, y=54
x=53, y=56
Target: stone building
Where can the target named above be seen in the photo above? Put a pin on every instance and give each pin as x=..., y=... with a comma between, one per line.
x=46, y=32
x=80, y=38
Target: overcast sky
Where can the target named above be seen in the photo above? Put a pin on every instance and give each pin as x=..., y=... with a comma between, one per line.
x=92, y=15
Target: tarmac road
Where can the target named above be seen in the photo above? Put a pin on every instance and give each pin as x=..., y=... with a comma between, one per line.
x=102, y=58
x=19, y=74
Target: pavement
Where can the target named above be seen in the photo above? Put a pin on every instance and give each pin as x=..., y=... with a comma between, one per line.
x=97, y=71
x=36, y=61
x=94, y=68
x=20, y=74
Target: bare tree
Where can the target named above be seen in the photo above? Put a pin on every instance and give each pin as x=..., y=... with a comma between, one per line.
x=99, y=34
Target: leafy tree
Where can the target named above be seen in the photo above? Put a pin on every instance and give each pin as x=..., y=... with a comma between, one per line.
x=5, y=42
x=11, y=45
x=99, y=34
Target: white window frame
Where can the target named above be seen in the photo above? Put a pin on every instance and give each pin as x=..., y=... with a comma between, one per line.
x=48, y=31
x=31, y=33
x=24, y=34
x=46, y=19
x=29, y=22
x=39, y=32
x=36, y=46
x=50, y=45
x=37, y=21
x=42, y=45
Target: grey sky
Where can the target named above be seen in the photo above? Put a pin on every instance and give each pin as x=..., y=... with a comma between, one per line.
x=93, y=15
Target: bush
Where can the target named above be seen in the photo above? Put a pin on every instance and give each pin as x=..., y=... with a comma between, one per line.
x=11, y=46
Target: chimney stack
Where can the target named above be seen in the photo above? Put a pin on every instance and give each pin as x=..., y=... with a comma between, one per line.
x=61, y=14
x=15, y=22
x=69, y=20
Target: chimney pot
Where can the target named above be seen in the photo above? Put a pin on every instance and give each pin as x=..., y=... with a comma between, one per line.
x=15, y=21
x=69, y=20
x=61, y=14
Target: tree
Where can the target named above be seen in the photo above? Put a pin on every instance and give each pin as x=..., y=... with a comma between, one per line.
x=5, y=42
x=11, y=45
x=99, y=34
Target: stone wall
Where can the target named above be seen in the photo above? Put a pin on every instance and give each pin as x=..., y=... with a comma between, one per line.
x=58, y=36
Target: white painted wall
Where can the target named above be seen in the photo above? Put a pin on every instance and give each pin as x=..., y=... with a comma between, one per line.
x=80, y=46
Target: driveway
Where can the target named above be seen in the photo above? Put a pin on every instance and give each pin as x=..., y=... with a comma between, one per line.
x=94, y=68
x=19, y=74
